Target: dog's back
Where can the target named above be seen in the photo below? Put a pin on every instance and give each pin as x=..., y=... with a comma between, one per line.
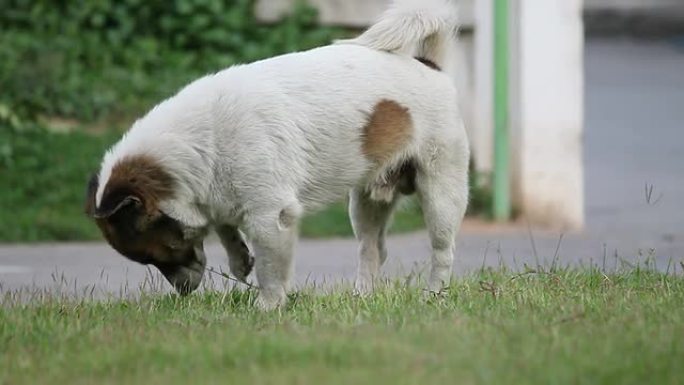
x=313, y=110
x=334, y=113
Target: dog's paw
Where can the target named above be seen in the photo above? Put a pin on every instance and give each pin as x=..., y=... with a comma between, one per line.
x=270, y=301
x=363, y=288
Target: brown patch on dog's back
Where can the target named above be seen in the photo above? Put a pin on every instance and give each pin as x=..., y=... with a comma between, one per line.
x=388, y=130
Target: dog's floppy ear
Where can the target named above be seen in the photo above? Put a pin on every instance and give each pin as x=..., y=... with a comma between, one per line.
x=131, y=195
x=111, y=203
x=91, y=190
x=112, y=206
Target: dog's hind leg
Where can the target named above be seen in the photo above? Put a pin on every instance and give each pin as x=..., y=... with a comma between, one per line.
x=442, y=186
x=369, y=219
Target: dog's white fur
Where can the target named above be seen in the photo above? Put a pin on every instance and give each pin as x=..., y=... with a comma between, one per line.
x=256, y=146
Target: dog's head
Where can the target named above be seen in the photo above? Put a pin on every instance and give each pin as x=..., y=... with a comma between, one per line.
x=127, y=210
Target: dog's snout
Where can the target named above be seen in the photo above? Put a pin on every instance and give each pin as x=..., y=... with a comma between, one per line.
x=186, y=276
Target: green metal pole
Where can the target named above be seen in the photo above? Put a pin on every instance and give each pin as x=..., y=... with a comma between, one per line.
x=501, y=185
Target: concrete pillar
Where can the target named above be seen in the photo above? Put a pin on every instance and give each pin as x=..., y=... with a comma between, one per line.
x=483, y=111
x=547, y=111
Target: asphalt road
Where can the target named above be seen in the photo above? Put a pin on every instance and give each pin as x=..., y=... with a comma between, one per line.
x=634, y=191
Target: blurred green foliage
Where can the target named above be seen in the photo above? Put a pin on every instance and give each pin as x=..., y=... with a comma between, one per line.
x=86, y=59
x=42, y=183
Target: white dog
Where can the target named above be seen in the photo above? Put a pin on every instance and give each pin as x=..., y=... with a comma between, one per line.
x=250, y=149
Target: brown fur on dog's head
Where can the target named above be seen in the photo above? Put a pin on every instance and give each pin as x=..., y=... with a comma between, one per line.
x=131, y=221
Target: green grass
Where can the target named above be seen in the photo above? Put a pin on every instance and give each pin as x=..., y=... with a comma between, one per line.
x=568, y=327
x=334, y=221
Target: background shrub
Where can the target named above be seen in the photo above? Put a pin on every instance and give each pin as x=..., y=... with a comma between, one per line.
x=88, y=59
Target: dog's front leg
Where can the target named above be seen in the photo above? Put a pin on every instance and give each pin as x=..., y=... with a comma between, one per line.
x=240, y=259
x=273, y=236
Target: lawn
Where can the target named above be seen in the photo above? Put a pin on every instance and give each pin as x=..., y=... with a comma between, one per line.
x=493, y=327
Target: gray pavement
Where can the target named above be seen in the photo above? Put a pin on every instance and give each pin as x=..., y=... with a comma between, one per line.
x=634, y=136
x=634, y=132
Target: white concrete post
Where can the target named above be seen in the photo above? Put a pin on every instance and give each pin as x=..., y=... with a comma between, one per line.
x=547, y=111
x=483, y=111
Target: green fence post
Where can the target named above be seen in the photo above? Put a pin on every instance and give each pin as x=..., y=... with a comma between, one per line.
x=502, y=184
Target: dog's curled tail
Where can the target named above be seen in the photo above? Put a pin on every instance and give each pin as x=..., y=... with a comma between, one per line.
x=424, y=29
